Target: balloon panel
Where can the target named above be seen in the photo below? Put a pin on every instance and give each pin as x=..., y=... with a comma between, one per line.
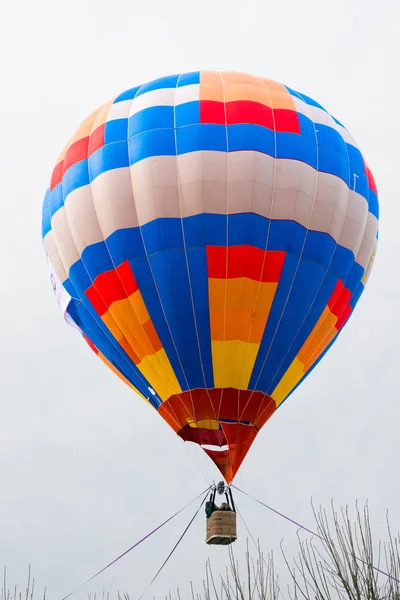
x=214, y=232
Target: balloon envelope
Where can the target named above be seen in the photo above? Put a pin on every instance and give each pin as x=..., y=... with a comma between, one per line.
x=211, y=234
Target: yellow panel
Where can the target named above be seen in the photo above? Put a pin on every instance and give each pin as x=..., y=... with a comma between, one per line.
x=233, y=363
x=211, y=424
x=158, y=371
x=291, y=378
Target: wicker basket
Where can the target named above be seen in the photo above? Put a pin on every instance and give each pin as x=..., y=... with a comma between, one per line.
x=221, y=527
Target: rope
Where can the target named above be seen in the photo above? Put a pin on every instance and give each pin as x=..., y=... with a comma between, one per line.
x=136, y=544
x=175, y=547
x=377, y=569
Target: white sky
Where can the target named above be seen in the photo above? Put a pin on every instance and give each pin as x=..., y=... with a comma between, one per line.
x=86, y=468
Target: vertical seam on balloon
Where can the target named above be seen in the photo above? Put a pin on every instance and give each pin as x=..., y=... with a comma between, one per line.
x=267, y=237
x=156, y=288
x=186, y=255
x=297, y=267
x=326, y=273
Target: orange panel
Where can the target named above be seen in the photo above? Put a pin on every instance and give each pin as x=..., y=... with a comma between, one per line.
x=211, y=87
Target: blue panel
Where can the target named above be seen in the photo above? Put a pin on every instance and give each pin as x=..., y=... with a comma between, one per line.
x=162, y=234
x=158, y=84
x=141, y=270
x=304, y=290
x=189, y=78
x=127, y=95
x=171, y=276
x=356, y=295
x=115, y=131
x=201, y=137
x=197, y=261
x=195, y=230
x=319, y=248
x=297, y=147
x=360, y=185
x=288, y=271
x=75, y=177
x=307, y=127
x=239, y=229
x=56, y=199
x=124, y=244
x=354, y=277
x=46, y=224
x=355, y=158
x=159, y=142
x=96, y=259
x=154, y=117
x=324, y=293
x=106, y=158
x=187, y=114
x=259, y=231
x=216, y=230
x=329, y=137
x=342, y=262
x=286, y=235
x=373, y=204
x=331, y=161
x=244, y=136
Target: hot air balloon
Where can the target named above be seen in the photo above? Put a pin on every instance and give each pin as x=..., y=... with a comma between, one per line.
x=210, y=234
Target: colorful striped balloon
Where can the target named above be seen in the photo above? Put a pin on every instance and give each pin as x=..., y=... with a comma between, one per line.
x=210, y=234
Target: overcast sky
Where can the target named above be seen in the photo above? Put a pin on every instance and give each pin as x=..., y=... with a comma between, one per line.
x=86, y=467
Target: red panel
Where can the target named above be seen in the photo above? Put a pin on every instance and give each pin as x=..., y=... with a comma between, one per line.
x=343, y=317
x=111, y=286
x=212, y=112
x=76, y=152
x=96, y=139
x=127, y=278
x=286, y=120
x=244, y=261
x=246, y=111
x=371, y=180
x=217, y=403
x=209, y=437
x=240, y=438
x=222, y=459
x=57, y=175
x=95, y=300
x=341, y=302
x=335, y=294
